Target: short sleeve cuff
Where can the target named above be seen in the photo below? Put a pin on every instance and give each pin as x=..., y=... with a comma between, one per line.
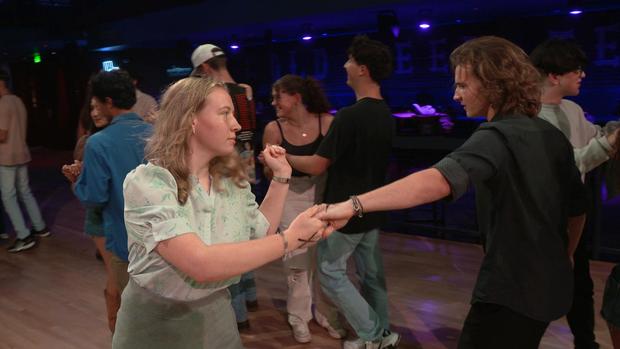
x=261, y=226
x=456, y=176
x=167, y=229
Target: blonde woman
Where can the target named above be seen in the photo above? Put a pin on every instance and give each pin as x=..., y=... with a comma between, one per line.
x=194, y=227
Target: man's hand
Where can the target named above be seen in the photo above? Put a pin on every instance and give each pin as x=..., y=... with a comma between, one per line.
x=337, y=215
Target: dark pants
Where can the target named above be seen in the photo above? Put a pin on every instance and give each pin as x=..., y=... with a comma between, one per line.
x=581, y=315
x=492, y=326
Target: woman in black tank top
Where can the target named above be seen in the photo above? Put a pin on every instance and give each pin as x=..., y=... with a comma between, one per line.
x=303, y=119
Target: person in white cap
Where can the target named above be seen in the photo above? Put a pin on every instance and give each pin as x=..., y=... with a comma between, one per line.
x=210, y=61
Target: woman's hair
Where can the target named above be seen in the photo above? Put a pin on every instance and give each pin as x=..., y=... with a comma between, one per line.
x=168, y=147
x=85, y=119
x=509, y=80
x=312, y=95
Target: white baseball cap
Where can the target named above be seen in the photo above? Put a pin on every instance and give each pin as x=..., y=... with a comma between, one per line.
x=204, y=53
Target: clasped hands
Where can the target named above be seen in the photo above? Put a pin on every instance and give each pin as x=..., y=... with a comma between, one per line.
x=72, y=171
x=318, y=222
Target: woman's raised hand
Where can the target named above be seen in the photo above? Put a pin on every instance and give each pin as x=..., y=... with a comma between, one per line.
x=275, y=158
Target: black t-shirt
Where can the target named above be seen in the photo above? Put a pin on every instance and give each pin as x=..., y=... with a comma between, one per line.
x=358, y=144
x=527, y=185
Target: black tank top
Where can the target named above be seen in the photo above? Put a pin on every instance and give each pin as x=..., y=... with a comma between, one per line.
x=306, y=149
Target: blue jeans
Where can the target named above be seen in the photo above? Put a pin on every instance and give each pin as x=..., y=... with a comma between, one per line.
x=244, y=291
x=367, y=312
x=14, y=183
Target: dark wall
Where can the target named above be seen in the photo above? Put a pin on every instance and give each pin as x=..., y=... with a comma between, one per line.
x=53, y=89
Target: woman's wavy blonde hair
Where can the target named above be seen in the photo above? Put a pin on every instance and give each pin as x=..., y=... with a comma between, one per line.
x=509, y=80
x=168, y=147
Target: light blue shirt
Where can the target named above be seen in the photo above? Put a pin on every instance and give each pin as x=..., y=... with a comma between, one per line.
x=109, y=156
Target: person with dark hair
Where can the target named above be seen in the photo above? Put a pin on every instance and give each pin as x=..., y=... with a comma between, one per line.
x=108, y=156
x=561, y=64
x=303, y=120
x=14, y=159
x=93, y=221
x=210, y=61
x=355, y=153
x=530, y=220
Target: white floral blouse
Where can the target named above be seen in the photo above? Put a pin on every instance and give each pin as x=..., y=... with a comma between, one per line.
x=153, y=214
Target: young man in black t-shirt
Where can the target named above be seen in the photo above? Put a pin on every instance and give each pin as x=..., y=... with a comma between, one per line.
x=530, y=199
x=355, y=152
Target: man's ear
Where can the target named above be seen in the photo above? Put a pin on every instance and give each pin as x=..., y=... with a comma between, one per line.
x=364, y=70
x=554, y=79
x=109, y=102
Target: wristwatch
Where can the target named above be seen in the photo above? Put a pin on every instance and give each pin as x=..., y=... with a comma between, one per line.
x=283, y=180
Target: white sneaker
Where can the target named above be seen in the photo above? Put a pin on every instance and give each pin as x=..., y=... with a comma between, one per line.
x=338, y=333
x=4, y=236
x=357, y=343
x=301, y=332
x=389, y=340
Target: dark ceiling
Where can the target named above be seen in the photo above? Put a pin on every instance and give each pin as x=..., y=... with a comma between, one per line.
x=29, y=24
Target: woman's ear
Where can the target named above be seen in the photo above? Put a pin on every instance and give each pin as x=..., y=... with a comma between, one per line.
x=194, y=126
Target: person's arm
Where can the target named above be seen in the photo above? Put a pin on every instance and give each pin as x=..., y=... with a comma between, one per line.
x=222, y=261
x=92, y=187
x=5, y=116
x=577, y=206
x=599, y=147
x=596, y=152
x=574, y=229
x=337, y=141
x=310, y=164
x=273, y=203
x=249, y=94
x=271, y=136
x=416, y=189
x=448, y=178
x=153, y=213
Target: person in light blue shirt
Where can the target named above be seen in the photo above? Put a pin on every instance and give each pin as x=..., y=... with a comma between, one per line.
x=109, y=155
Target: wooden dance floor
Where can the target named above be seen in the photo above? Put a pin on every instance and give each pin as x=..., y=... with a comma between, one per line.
x=52, y=296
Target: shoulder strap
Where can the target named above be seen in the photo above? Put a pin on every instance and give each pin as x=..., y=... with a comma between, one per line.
x=280, y=128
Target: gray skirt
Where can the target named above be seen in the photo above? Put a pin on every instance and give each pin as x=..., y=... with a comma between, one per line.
x=146, y=320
